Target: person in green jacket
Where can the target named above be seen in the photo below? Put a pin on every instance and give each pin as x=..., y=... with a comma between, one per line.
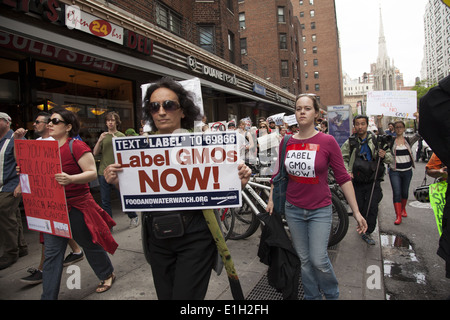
x=104, y=147
x=363, y=152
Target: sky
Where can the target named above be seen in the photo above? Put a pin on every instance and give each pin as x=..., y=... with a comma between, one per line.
x=358, y=25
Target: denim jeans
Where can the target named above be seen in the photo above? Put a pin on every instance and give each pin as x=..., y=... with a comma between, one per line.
x=55, y=248
x=105, y=193
x=400, y=184
x=310, y=230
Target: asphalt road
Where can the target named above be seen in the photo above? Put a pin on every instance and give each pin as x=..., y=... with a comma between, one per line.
x=412, y=269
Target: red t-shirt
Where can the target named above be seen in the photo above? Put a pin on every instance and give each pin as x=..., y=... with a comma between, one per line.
x=307, y=163
x=70, y=167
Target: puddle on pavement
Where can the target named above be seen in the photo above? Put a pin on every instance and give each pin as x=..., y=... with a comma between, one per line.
x=399, y=259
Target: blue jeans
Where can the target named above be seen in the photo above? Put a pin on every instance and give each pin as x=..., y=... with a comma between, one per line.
x=310, y=230
x=55, y=247
x=400, y=184
x=105, y=193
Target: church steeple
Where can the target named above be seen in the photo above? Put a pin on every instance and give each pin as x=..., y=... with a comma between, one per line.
x=383, y=60
x=385, y=71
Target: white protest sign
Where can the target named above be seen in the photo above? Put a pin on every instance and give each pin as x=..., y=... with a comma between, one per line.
x=179, y=171
x=277, y=118
x=400, y=104
x=291, y=120
x=268, y=141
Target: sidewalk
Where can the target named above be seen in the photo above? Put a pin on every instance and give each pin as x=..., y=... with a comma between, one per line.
x=354, y=262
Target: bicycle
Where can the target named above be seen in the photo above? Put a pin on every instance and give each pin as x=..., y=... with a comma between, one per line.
x=240, y=223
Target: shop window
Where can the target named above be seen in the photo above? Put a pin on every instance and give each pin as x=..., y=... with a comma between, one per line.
x=87, y=94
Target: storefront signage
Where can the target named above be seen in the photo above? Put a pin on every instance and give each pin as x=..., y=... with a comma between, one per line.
x=210, y=71
x=83, y=21
x=259, y=89
x=50, y=10
x=18, y=43
x=74, y=18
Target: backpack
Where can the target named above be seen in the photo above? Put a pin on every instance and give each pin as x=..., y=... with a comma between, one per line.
x=364, y=170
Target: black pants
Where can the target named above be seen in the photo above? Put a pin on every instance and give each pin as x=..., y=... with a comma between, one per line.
x=362, y=192
x=182, y=266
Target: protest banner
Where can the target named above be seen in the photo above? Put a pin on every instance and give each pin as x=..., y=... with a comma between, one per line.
x=277, y=118
x=437, y=200
x=400, y=104
x=340, y=122
x=291, y=120
x=44, y=199
x=179, y=171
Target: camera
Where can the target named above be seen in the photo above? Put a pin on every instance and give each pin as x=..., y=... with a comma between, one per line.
x=385, y=141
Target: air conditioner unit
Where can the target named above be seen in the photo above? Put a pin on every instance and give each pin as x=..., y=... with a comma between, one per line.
x=244, y=51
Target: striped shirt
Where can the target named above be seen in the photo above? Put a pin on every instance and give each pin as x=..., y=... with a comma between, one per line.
x=402, y=158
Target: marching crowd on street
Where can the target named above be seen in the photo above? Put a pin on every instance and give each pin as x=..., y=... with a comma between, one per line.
x=181, y=263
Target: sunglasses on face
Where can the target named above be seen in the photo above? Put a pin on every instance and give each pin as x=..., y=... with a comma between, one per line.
x=168, y=105
x=55, y=121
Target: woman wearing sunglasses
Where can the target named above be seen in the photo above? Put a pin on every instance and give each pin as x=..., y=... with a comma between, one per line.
x=181, y=266
x=308, y=207
x=89, y=223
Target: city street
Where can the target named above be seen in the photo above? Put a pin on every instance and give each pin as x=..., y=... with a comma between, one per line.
x=412, y=269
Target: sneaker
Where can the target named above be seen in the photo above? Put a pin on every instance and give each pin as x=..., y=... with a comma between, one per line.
x=34, y=278
x=72, y=258
x=368, y=238
x=134, y=222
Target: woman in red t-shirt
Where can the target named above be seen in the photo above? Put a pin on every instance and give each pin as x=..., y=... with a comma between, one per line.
x=308, y=208
x=89, y=223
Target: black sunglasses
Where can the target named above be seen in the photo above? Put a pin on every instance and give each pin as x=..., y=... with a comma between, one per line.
x=168, y=105
x=56, y=121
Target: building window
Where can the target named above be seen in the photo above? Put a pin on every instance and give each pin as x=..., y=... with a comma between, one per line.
x=231, y=46
x=312, y=13
x=304, y=50
x=284, y=68
x=283, y=41
x=305, y=62
x=313, y=25
x=311, y=2
x=316, y=74
x=243, y=43
x=313, y=38
x=317, y=87
x=242, y=20
x=306, y=75
x=207, y=38
x=230, y=5
x=281, y=16
x=303, y=39
x=302, y=14
x=168, y=19
x=300, y=2
x=314, y=49
x=316, y=62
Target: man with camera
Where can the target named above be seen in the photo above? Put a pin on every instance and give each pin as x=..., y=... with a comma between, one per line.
x=364, y=156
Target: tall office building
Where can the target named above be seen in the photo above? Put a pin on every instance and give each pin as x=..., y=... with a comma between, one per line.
x=436, y=64
x=321, y=50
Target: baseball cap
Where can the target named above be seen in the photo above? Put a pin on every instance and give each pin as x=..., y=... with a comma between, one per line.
x=5, y=116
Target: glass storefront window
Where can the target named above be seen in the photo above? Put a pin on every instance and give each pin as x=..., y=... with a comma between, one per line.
x=89, y=95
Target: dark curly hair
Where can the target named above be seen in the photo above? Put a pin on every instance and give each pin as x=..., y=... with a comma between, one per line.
x=190, y=110
x=69, y=118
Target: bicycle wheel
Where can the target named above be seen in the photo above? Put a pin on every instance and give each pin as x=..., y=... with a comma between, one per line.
x=226, y=221
x=245, y=223
x=340, y=222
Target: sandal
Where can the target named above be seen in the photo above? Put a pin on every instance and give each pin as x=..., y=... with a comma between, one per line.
x=103, y=287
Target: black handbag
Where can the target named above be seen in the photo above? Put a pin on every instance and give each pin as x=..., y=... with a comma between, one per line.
x=422, y=193
x=280, y=182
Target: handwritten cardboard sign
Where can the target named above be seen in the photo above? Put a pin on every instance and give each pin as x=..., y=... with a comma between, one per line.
x=179, y=171
x=44, y=199
x=400, y=104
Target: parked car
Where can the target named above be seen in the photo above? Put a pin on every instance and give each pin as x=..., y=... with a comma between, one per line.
x=409, y=131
